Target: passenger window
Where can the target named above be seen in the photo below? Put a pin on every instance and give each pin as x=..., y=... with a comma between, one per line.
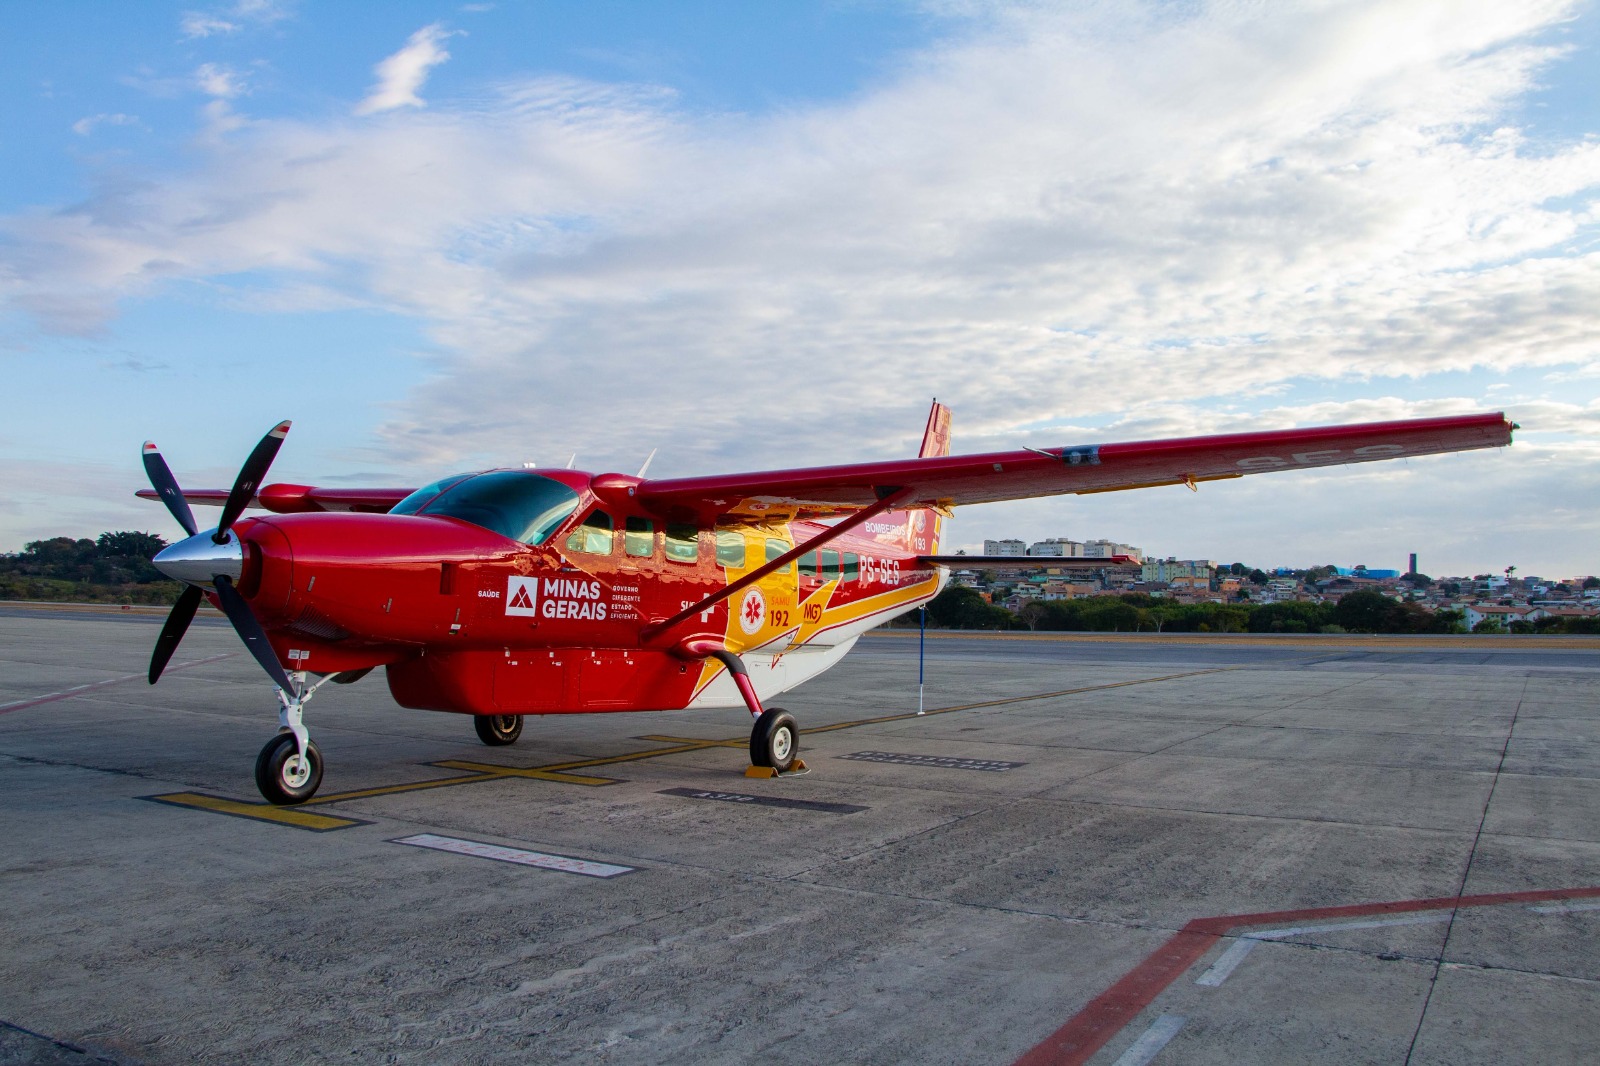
x=593, y=537
x=682, y=543
x=775, y=548
x=730, y=547
x=808, y=565
x=830, y=565
x=639, y=537
x=852, y=566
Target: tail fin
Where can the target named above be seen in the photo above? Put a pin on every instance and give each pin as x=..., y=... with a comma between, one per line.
x=936, y=438
x=917, y=531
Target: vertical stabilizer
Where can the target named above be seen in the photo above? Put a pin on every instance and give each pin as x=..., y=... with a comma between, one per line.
x=917, y=531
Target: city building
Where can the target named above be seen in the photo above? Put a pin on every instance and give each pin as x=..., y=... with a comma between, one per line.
x=1004, y=547
x=1105, y=549
x=1058, y=547
x=1179, y=571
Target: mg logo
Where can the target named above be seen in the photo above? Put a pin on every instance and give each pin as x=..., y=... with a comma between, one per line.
x=522, y=596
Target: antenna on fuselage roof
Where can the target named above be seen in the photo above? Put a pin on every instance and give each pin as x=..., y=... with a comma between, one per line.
x=572, y=460
x=647, y=460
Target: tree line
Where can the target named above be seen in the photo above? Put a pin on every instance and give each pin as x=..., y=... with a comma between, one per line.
x=113, y=568
x=1366, y=611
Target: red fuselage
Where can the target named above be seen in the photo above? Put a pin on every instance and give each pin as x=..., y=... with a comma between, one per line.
x=469, y=620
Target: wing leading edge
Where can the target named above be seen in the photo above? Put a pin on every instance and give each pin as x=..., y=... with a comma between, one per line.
x=957, y=480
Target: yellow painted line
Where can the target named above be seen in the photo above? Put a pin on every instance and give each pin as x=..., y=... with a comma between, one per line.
x=543, y=773
x=697, y=741
x=261, y=812
x=389, y=790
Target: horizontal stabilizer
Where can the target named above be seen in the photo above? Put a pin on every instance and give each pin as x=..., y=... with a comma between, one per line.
x=1026, y=562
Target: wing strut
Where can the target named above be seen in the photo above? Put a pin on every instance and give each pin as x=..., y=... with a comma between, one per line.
x=887, y=498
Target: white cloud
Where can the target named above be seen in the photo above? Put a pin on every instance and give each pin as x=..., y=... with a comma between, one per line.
x=219, y=81
x=232, y=19
x=1120, y=219
x=201, y=24
x=85, y=126
x=401, y=75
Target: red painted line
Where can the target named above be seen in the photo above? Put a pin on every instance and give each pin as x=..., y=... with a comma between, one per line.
x=79, y=690
x=1076, y=1042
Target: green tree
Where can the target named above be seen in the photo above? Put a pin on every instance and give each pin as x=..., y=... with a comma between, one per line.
x=1591, y=582
x=959, y=607
x=1367, y=611
x=1290, y=617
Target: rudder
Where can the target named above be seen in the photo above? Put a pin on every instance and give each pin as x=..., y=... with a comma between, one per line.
x=917, y=531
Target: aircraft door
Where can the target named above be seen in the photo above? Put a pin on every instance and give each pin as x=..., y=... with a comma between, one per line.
x=763, y=616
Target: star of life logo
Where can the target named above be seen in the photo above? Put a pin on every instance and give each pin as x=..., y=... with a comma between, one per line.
x=752, y=611
x=522, y=596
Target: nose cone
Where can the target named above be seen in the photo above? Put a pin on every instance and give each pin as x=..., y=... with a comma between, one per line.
x=199, y=559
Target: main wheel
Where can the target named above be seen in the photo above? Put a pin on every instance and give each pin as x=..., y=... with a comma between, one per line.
x=282, y=776
x=497, y=729
x=775, y=741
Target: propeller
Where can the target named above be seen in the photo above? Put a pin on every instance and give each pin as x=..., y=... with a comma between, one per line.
x=212, y=558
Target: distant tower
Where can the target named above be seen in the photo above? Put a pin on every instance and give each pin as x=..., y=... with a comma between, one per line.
x=1413, y=563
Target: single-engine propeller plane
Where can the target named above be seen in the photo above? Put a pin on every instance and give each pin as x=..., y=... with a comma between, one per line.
x=504, y=593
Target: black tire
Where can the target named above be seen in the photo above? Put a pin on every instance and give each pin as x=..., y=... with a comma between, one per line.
x=775, y=740
x=497, y=730
x=276, y=774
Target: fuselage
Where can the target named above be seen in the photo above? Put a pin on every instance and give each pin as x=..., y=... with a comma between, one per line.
x=535, y=592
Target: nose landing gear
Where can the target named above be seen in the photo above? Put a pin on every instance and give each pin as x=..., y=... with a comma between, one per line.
x=289, y=768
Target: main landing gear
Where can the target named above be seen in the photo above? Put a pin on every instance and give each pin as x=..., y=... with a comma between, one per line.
x=497, y=730
x=775, y=740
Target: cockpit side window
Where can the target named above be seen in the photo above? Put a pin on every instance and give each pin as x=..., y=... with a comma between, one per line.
x=593, y=536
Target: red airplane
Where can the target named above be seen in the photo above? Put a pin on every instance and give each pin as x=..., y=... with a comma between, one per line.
x=503, y=593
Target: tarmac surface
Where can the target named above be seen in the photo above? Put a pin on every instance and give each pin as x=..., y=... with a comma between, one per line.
x=1094, y=849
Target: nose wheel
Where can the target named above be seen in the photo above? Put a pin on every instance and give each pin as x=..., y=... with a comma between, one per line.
x=284, y=775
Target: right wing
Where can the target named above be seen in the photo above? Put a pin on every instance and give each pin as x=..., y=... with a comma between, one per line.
x=294, y=499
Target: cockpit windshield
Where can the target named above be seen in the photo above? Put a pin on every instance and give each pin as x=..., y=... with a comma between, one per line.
x=512, y=503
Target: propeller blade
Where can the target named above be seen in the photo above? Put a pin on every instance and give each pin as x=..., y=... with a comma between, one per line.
x=250, y=475
x=166, y=487
x=250, y=631
x=177, y=625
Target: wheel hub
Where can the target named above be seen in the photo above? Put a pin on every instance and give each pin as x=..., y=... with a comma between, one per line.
x=782, y=742
x=296, y=771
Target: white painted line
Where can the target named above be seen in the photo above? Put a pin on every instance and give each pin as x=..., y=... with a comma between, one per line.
x=1300, y=930
x=1566, y=908
x=1224, y=966
x=1154, y=1039
x=480, y=850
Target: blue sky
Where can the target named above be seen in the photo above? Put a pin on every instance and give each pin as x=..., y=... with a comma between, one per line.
x=441, y=236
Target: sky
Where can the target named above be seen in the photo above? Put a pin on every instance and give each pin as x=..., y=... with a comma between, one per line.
x=444, y=237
